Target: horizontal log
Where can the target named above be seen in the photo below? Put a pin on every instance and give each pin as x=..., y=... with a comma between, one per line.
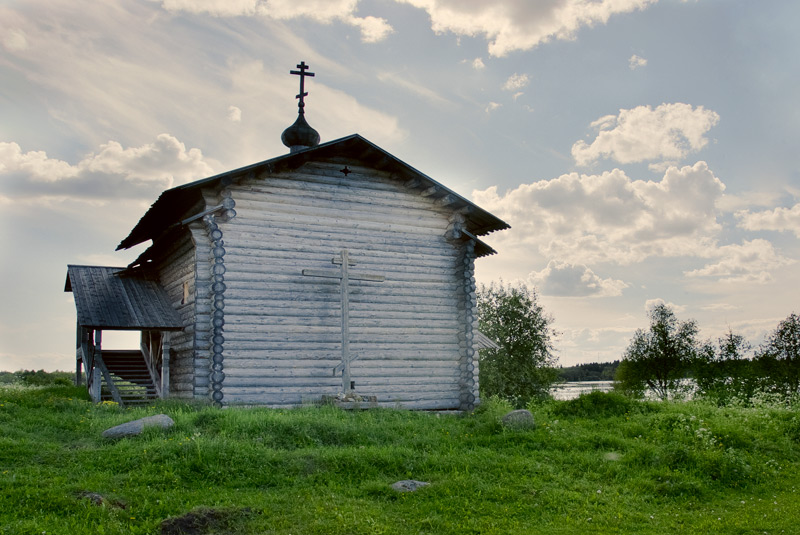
x=237, y=296
x=273, y=274
x=237, y=332
x=327, y=340
x=355, y=207
x=247, y=236
x=308, y=192
x=376, y=366
x=264, y=349
x=265, y=307
x=394, y=385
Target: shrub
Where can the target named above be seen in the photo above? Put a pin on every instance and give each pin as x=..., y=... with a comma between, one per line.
x=598, y=404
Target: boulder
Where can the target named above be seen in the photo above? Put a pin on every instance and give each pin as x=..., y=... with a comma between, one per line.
x=520, y=419
x=409, y=485
x=131, y=429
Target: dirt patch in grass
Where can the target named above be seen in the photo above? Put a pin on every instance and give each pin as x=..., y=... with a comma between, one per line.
x=204, y=520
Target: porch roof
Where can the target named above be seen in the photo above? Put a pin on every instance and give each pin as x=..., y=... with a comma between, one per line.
x=116, y=299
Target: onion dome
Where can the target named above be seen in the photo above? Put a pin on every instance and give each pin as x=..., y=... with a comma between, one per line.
x=300, y=135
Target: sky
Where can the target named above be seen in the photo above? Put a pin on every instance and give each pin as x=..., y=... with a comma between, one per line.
x=643, y=151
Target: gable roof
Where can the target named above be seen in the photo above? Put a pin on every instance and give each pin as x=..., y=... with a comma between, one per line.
x=174, y=203
x=110, y=298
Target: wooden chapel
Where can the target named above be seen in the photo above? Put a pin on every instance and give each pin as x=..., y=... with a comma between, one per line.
x=335, y=270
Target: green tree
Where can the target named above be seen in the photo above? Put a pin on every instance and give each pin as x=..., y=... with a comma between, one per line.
x=660, y=358
x=725, y=372
x=522, y=368
x=779, y=357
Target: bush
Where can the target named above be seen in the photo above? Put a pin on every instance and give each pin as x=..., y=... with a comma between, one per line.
x=598, y=404
x=37, y=378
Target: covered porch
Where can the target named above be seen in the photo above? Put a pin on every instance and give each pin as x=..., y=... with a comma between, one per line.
x=119, y=299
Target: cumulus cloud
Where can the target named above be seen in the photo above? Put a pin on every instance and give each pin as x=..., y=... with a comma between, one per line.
x=519, y=24
x=492, y=106
x=650, y=304
x=636, y=61
x=373, y=29
x=516, y=82
x=569, y=280
x=234, y=114
x=778, y=219
x=113, y=172
x=478, y=64
x=585, y=219
x=749, y=262
x=15, y=40
x=667, y=133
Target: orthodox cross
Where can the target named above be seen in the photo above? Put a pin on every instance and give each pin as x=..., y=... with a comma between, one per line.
x=302, y=73
x=345, y=276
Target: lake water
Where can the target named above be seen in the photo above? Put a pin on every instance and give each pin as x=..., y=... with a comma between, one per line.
x=566, y=391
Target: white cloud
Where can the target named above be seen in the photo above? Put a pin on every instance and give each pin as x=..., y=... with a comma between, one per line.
x=778, y=219
x=748, y=199
x=402, y=80
x=585, y=219
x=520, y=24
x=650, y=304
x=234, y=114
x=373, y=29
x=492, y=106
x=516, y=82
x=14, y=39
x=113, y=172
x=750, y=262
x=478, y=64
x=636, y=61
x=569, y=280
x=667, y=133
x=720, y=307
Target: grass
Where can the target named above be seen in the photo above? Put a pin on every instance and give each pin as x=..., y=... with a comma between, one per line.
x=599, y=464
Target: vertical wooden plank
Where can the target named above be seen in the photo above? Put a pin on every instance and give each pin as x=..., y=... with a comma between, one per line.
x=345, y=321
x=78, y=360
x=165, y=364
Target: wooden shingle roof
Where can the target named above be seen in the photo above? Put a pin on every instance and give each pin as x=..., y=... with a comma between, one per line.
x=111, y=298
x=174, y=203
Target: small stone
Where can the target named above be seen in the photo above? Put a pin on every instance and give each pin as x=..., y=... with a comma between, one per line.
x=520, y=419
x=409, y=485
x=131, y=429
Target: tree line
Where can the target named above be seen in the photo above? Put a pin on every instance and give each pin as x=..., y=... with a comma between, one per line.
x=668, y=359
x=670, y=351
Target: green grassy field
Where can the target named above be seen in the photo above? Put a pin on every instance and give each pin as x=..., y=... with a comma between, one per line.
x=599, y=464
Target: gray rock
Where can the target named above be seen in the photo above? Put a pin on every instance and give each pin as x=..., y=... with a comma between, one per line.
x=519, y=419
x=409, y=485
x=131, y=429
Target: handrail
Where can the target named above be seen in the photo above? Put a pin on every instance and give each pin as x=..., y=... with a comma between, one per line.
x=109, y=381
x=154, y=375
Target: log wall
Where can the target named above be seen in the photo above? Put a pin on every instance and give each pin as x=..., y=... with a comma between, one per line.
x=282, y=330
x=178, y=266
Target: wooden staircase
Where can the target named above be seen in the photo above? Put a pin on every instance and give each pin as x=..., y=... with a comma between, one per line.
x=130, y=375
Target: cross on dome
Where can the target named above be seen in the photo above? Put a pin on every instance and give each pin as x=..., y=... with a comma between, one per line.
x=300, y=135
x=302, y=73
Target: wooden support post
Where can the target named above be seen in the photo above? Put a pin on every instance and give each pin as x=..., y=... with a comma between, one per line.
x=165, y=364
x=94, y=391
x=78, y=359
x=100, y=367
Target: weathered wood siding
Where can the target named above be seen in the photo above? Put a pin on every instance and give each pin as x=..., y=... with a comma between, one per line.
x=177, y=266
x=282, y=333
